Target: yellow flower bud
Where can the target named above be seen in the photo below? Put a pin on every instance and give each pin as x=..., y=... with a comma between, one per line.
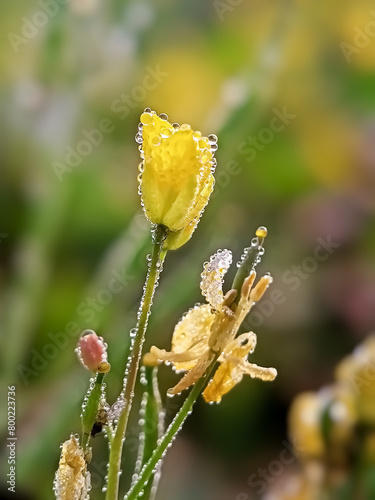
x=176, y=178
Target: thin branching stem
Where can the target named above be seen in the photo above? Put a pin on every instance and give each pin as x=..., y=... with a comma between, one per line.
x=170, y=434
x=155, y=266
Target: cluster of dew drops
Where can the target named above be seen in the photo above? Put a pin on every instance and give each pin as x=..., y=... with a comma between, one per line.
x=254, y=246
x=60, y=484
x=213, y=276
x=167, y=132
x=143, y=420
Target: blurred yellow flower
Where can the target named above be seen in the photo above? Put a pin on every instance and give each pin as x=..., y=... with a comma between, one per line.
x=176, y=174
x=305, y=425
x=72, y=480
x=357, y=372
x=322, y=424
x=209, y=330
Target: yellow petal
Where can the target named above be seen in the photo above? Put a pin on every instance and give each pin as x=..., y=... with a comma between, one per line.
x=192, y=334
x=226, y=377
x=213, y=275
x=255, y=371
x=175, y=239
x=174, y=357
x=194, y=374
x=241, y=346
x=233, y=366
x=176, y=181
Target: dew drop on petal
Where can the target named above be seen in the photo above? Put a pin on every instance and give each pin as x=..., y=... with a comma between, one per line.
x=212, y=139
x=156, y=141
x=166, y=132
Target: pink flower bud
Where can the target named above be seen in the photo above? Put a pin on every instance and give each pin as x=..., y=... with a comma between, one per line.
x=91, y=350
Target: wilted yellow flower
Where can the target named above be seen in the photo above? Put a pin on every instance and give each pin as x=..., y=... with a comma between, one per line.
x=210, y=329
x=72, y=480
x=176, y=177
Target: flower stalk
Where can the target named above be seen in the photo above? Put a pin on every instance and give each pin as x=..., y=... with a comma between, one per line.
x=152, y=417
x=131, y=372
x=212, y=280
x=250, y=259
x=91, y=409
x=170, y=434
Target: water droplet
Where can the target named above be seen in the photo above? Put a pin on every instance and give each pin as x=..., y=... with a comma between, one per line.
x=156, y=141
x=166, y=132
x=204, y=158
x=147, y=118
x=212, y=139
x=163, y=116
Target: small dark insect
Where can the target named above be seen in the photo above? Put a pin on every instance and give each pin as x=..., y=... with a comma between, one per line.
x=96, y=429
x=101, y=419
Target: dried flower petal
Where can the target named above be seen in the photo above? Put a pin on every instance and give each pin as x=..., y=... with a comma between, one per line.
x=208, y=332
x=213, y=275
x=190, y=339
x=233, y=366
x=72, y=480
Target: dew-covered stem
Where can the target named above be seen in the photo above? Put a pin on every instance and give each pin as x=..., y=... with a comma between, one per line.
x=249, y=260
x=152, y=417
x=90, y=408
x=169, y=436
x=131, y=371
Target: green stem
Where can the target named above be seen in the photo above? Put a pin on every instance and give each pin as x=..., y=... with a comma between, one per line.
x=91, y=409
x=248, y=264
x=153, y=429
x=168, y=437
x=158, y=256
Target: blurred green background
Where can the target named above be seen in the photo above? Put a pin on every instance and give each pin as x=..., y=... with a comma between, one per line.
x=71, y=218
